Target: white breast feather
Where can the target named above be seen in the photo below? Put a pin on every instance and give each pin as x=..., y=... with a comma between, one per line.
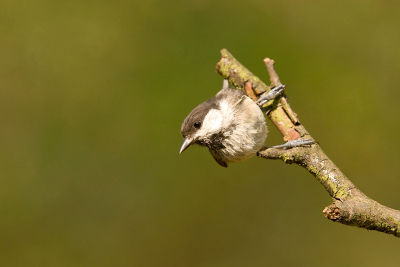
x=248, y=136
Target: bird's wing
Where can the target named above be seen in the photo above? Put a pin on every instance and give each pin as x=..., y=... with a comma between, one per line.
x=218, y=158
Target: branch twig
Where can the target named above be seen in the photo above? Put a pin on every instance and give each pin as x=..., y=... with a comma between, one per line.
x=350, y=206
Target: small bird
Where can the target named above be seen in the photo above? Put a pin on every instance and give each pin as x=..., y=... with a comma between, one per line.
x=230, y=125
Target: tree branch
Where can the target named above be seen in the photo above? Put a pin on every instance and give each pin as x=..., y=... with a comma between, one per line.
x=350, y=206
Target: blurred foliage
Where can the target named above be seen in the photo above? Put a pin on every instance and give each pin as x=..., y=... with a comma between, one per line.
x=93, y=94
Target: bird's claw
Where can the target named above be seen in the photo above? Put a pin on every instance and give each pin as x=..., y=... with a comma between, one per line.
x=295, y=143
x=274, y=92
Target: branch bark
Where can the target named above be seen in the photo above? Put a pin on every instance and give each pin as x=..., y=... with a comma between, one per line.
x=350, y=206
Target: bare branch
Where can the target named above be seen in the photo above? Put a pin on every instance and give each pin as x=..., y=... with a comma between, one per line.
x=273, y=76
x=350, y=206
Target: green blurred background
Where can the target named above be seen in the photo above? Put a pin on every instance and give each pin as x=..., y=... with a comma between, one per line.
x=93, y=94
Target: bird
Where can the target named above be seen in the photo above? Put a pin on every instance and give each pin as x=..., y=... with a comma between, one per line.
x=230, y=125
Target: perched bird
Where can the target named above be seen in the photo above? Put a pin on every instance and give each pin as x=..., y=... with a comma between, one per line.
x=230, y=125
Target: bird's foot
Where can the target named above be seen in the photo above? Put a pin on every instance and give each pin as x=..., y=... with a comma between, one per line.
x=274, y=92
x=295, y=143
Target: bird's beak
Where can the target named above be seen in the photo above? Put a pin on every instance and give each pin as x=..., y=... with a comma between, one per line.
x=186, y=143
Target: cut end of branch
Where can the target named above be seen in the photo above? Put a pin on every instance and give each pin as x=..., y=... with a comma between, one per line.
x=269, y=61
x=332, y=212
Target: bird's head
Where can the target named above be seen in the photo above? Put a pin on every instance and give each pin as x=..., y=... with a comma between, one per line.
x=202, y=125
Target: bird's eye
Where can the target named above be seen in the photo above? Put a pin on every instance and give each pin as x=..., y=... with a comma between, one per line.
x=197, y=124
